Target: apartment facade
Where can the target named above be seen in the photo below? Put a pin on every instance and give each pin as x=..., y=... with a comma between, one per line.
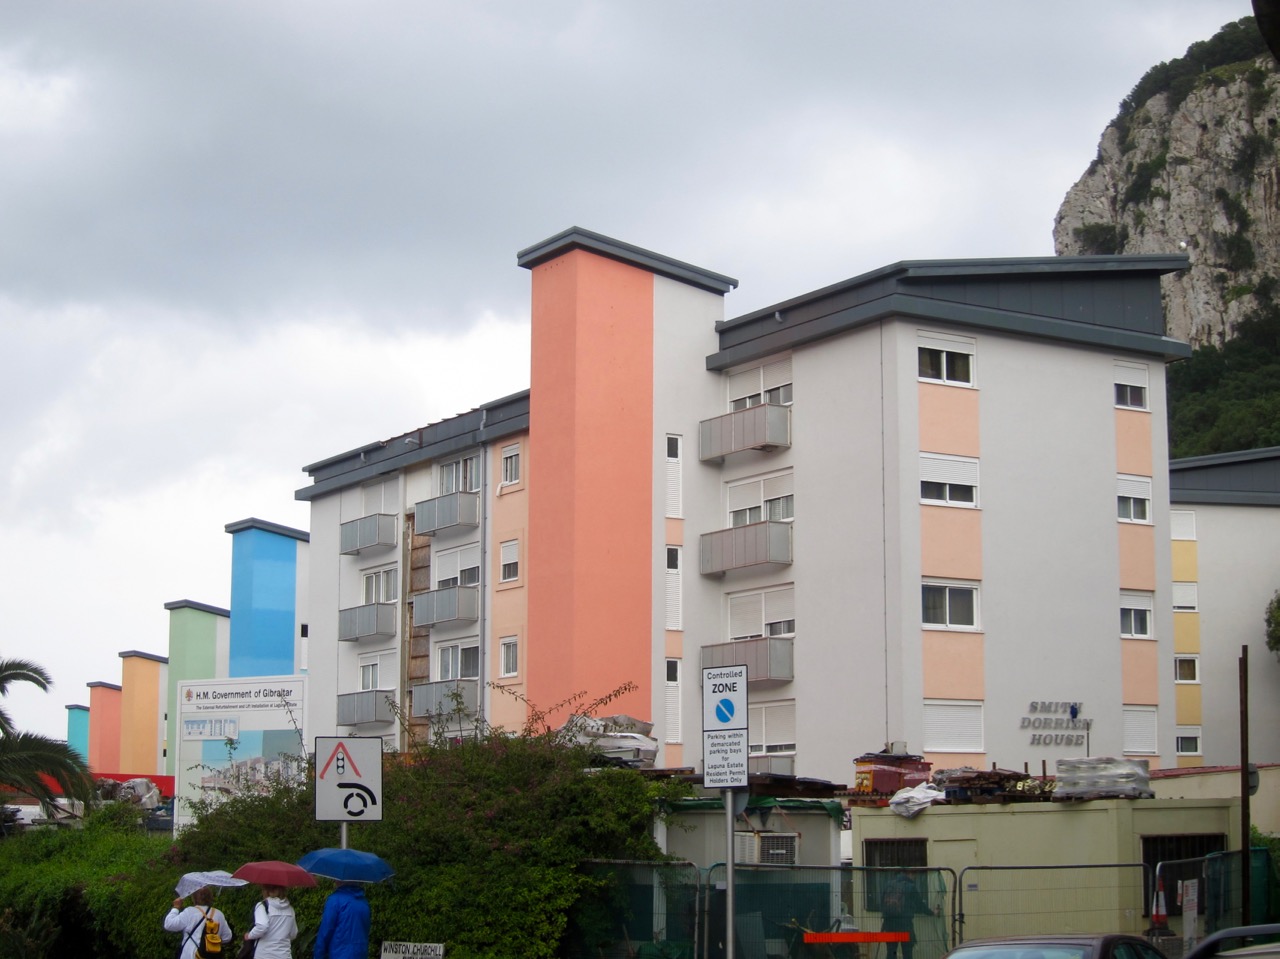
x=922, y=506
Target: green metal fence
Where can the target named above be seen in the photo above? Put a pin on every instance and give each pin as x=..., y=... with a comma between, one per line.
x=1037, y=900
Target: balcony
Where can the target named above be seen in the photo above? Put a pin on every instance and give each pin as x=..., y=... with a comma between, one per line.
x=770, y=660
x=742, y=547
x=368, y=534
x=432, y=516
x=446, y=698
x=772, y=765
x=765, y=427
x=366, y=706
x=446, y=607
x=366, y=622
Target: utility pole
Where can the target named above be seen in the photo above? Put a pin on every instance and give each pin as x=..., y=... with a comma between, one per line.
x=1245, y=831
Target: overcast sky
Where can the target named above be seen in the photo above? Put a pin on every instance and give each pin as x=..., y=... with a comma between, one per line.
x=239, y=237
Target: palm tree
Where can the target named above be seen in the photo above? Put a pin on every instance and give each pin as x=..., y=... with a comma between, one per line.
x=34, y=764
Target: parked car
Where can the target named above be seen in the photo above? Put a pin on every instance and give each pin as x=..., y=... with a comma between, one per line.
x=1238, y=943
x=1082, y=946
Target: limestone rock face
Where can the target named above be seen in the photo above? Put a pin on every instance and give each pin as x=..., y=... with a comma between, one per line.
x=1200, y=177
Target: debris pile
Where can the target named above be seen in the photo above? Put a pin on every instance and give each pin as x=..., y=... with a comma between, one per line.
x=1103, y=777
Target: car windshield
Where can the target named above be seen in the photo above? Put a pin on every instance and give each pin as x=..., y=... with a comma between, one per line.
x=1019, y=950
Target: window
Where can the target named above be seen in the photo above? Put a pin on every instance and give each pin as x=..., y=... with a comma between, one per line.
x=369, y=675
x=510, y=464
x=1182, y=524
x=764, y=612
x=770, y=383
x=757, y=500
x=953, y=726
x=457, y=567
x=672, y=733
x=1139, y=730
x=673, y=477
x=1133, y=499
x=1186, y=597
x=945, y=359
x=1186, y=669
x=948, y=480
x=510, y=655
x=887, y=855
x=944, y=606
x=460, y=476
x=382, y=586
x=1135, y=615
x=458, y=662
x=1187, y=740
x=673, y=605
x=1131, y=386
x=771, y=728
x=510, y=556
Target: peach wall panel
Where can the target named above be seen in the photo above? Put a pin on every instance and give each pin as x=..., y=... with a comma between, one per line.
x=951, y=542
x=953, y=666
x=675, y=531
x=956, y=760
x=1139, y=671
x=948, y=420
x=1189, y=704
x=1133, y=442
x=1137, y=556
x=673, y=645
x=1186, y=632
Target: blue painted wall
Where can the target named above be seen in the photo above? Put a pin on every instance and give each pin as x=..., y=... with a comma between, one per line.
x=78, y=730
x=264, y=572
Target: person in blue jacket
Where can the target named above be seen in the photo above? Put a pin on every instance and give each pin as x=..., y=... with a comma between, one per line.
x=344, y=924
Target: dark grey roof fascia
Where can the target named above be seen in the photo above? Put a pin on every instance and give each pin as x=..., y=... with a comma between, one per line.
x=1240, y=478
x=201, y=607
x=923, y=308
x=338, y=457
x=138, y=654
x=576, y=238
x=1205, y=497
x=103, y=685
x=1223, y=459
x=268, y=527
x=76, y=706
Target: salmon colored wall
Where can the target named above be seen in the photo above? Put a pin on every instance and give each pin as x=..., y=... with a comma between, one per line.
x=675, y=532
x=674, y=646
x=953, y=665
x=1188, y=704
x=1186, y=632
x=951, y=542
x=956, y=760
x=1137, y=556
x=591, y=555
x=1139, y=673
x=948, y=420
x=509, y=615
x=1133, y=442
x=104, y=729
x=1186, y=566
x=139, y=715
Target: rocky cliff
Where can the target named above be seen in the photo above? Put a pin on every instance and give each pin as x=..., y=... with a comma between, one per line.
x=1191, y=170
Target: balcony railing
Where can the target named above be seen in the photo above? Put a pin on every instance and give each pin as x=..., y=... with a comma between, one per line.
x=772, y=765
x=366, y=622
x=740, y=547
x=444, y=607
x=763, y=427
x=366, y=706
x=368, y=533
x=770, y=660
x=445, y=698
x=445, y=512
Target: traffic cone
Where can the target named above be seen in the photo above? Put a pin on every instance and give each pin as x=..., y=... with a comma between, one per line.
x=1159, y=917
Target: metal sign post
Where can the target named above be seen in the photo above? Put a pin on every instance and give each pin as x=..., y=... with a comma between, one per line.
x=724, y=758
x=348, y=780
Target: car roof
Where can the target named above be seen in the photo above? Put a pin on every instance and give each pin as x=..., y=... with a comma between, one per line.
x=1062, y=937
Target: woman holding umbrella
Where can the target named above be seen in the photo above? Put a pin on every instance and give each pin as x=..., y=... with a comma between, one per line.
x=190, y=921
x=274, y=925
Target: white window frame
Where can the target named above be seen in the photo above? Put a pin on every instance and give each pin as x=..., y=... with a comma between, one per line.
x=954, y=726
x=954, y=474
x=762, y=612
x=672, y=727
x=1194, y=660
x=1131, y=490
x=762, y=498
x=673, y=598
x=382, y=585
x=509, y=561
x=511, y=464
x=769, y=383
x=951, y=348
x=1182, y=733
x=1186, y=597
x=447, y=568
x=950, y=586
x=1128, y=378
x=1140, y=621
x=449, y=662
x=1140, y=731
x=674, y=477
x=509, y=656
x=1182, y=524
x=369, y=675
x=771, y=729
x=461, y=475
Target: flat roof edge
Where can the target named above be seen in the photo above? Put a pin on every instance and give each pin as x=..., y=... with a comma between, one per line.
x=576, y=238
x=192, y=604
x=267, y=527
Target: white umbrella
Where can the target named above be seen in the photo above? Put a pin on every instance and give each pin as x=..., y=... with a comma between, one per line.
x=192, y=881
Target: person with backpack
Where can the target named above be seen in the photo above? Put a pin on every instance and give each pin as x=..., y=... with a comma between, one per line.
x=274, y=925
x=900, y=903
x=205, y=931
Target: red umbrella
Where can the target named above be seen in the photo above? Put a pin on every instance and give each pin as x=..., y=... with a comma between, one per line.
x=273, y=872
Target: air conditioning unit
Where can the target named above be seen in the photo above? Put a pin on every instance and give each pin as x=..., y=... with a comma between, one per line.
x=766, y=848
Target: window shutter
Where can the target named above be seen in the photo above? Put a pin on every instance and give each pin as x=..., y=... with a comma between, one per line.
x=1139, y=487
x=1139, y=729
x=948, y=469
x=470, y=556
x=672, y=704
x=953, y=726
x=777, y=373
x=780, y=724
x=744, y=383
x=446, y=565
x=674, y=612
x=940, y=341
x=744, y=495
x=746, y=617
x=1135, y=600
x=1182, y=524
x=1131, y=374
x=675, y=506
x=1186, y=597
x=510, y=552
x=776, y=486
x=780, y=604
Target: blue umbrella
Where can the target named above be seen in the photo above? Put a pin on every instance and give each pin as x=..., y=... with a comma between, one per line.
x=348, y=865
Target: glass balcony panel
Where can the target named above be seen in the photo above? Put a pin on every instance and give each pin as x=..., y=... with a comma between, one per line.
x=370, y=533
x=770, y=660
x=764, y=427
x=368, y=621
x=445, y=512
x=443, y=607
x=446, y=698
x=772, y=765
x=366, y=706
x=741, y=547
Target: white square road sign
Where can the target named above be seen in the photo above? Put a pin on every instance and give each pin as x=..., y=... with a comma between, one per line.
x=349, y=778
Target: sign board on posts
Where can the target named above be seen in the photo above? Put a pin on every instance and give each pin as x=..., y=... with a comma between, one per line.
x=724, y=727
x=348, y=778
x=412, y=950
